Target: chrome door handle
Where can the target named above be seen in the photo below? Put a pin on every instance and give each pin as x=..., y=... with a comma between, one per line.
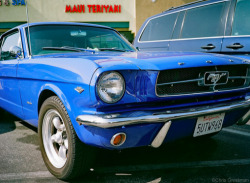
x=208, y=47
x=235, y=46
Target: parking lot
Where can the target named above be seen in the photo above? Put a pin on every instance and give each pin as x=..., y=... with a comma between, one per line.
x=222, y=158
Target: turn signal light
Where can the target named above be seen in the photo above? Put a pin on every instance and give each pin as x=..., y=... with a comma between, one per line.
x=118, y=139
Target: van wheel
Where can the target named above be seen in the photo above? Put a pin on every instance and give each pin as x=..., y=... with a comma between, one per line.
x=65, y=156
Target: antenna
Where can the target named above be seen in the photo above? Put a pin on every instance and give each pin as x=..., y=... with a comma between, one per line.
x=27, y=14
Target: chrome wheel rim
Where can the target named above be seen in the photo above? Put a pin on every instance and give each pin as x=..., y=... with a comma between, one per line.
x=55, y=138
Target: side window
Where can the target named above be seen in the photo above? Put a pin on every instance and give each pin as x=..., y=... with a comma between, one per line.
x=9, y=42
x=241, y=24
x=204, y=21
x=160, y=28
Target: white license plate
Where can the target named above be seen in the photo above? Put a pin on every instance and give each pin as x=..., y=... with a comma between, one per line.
x=208, y=124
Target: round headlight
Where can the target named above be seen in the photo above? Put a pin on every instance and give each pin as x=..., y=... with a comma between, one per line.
x=111, y=87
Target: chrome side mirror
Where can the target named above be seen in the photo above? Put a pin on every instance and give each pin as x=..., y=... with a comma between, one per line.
x=15, y=51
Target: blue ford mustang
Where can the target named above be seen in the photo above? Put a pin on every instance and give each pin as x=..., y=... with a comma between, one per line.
x=84, y=85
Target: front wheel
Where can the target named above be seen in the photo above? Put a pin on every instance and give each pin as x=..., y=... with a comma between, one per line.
x=63, y=153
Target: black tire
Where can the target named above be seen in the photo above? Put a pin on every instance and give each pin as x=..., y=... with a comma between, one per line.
x=78, y=156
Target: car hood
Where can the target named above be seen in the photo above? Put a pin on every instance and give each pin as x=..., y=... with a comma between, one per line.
x=153, y=60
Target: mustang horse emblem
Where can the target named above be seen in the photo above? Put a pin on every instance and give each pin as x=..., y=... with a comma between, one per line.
x=215, y=77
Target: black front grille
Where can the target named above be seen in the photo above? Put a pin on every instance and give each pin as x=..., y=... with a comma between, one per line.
x=189, y=80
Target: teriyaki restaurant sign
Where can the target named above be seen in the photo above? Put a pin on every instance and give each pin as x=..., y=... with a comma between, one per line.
x=76, y=8
x=95, y=8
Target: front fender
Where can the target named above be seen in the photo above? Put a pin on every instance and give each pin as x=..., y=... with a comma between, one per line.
x=57, y=91
x=67, y=92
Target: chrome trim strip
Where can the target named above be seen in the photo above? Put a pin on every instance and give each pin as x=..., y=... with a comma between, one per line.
x=239, y=77
x=183, y=39
x=237, y=36
x=158, y=140
x=184, y=81
x=102, y=121
x=21, y=39
x=197, y=80
x=26, y=43
x=217, y=91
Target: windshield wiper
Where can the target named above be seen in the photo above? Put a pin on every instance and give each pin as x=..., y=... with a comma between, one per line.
x=113, y=49
x=68, y=48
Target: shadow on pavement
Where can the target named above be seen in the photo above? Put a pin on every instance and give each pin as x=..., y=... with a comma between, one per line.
x=130, y=164
x=27, y=125
x=7, y=122
x=178, y=151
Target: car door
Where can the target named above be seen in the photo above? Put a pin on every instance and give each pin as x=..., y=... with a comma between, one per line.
x=156, y=33
x=202, y=28
x=9, y=91
x=237, y=40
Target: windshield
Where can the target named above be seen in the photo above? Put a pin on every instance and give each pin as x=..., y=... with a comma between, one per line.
x=46, y=39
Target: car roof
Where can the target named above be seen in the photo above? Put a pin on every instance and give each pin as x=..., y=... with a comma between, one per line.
x=188, y=5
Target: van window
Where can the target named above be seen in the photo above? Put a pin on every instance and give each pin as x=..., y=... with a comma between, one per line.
x=204, y=21
x=160, y=28
x=241, y=24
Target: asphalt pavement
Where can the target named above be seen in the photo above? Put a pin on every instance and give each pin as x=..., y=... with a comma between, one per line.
x=219, y=159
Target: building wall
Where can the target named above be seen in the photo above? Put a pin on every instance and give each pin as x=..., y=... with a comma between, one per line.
x=147, y=8
x=54, y=10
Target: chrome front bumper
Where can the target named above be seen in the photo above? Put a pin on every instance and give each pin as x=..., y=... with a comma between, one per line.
x=115, y=120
